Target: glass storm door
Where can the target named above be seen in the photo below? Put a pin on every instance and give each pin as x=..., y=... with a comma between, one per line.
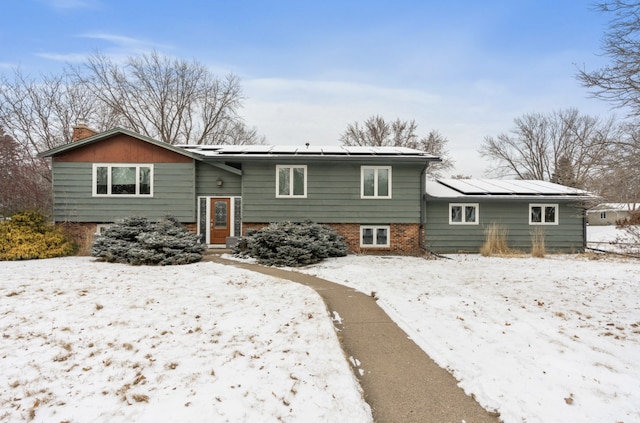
x=220, y=220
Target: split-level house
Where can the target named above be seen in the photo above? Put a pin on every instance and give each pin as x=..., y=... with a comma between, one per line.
x=372, y=196
x=376, y=197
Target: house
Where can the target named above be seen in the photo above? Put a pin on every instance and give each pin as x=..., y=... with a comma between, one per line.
x=458, y=212
x=376, y=197
x=371, y=196
x=610, y=213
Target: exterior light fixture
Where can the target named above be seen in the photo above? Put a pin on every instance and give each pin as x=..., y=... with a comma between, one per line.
x=219, y=182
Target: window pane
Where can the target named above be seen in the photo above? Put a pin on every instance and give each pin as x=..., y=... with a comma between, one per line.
x=123, y=180
x=220, y=215
x=550, y=214
x=381, y=236
x=383, y=182
x=456, y=213
x=368, y=176
x=101, y=180
x=536, y=214
x=470, y=214
x=283, y=186
x=145, y=180
x=298, y=181
x=367, y=236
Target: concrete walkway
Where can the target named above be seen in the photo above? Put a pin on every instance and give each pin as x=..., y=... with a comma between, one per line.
x=400, y=382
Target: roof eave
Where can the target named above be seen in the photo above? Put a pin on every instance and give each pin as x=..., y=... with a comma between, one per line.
x=102, y=135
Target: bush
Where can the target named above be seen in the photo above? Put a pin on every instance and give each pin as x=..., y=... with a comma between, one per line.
x=495, y=241
x=27, y=235
x=291, y=244
x=537, y=243
x=138, y=241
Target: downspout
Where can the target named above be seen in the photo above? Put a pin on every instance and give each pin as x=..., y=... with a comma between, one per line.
x=422, y=237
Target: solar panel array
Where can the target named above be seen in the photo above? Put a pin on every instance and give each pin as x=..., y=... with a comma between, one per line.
x=504, y=187
x=220, y=150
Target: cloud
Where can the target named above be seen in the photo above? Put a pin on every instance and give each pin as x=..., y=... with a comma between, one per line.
x=125, y=42
x=74, y=4
x=67, y=58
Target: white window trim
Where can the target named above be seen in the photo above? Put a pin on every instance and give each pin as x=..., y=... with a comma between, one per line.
x=557, y=214
x=94, y=178
x=290, y=167
x=463, y=205
x=375, y=182
x=101, y=227
x=375, y=228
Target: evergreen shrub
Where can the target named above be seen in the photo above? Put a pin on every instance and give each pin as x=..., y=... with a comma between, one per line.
x=291, y=244
x=27, y=235
x=139, y=241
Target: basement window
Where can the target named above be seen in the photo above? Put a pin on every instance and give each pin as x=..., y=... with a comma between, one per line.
x=374, y=236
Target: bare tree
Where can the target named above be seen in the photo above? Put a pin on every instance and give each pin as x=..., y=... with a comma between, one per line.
x=563, y=146
x=39, y=113
x=377, y=132
x=21, y=184
x=620, y=179
x=172, y=100
x=238, y=133
x=618, y=82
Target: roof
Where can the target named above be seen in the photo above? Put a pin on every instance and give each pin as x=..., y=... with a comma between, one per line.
x=502, y=189
x=616, y=207
x=115, y=131
x=321, y=152
x=258, y=152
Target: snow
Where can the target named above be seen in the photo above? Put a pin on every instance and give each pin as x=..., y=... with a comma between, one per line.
x=539, y=340
x=89, y=341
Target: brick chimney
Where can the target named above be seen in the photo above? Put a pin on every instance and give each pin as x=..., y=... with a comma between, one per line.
x=81, y=130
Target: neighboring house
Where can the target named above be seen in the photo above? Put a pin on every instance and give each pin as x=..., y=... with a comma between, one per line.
x=372, y=196
x=610, y=213
x=458, y=211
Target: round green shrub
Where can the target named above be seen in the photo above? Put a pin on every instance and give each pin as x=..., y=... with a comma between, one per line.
x=27, y=235
x=138, y=241
x=291, y=244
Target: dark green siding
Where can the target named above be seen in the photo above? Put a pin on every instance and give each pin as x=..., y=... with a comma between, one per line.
x=206, y=177
x=333, y=195
x=173, y=193
x=441, y=237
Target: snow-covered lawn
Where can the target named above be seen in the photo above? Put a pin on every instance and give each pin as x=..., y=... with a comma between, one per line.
x=83, y=341
x=540, y=340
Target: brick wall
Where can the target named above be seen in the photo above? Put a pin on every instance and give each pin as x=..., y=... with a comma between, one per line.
x=404, y=238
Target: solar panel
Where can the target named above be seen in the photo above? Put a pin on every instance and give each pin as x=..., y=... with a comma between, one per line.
x=511, y=187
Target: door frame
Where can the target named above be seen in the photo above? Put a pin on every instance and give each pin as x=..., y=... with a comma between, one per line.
x=207, y=218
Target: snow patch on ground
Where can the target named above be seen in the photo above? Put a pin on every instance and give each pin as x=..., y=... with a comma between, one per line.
x=88, y=341
x=540, y=340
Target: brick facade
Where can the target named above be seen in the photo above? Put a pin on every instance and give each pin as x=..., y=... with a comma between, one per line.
x=404, y=237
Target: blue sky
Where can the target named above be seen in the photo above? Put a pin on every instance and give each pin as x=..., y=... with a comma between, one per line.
x=308, y=68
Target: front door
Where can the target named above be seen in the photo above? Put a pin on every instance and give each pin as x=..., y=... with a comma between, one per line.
x=220, y=220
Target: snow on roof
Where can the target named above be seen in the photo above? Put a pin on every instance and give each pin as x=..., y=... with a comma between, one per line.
x=459, y=188
x=295, y=150
x=616, y=207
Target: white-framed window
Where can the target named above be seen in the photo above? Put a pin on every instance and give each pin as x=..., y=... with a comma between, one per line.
x=101, y=227
x=543, y=214
x=291, y=181
x=464, y=214
x=603, y=215
x=374, y=236
x=122, y=180
x=375, y=182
